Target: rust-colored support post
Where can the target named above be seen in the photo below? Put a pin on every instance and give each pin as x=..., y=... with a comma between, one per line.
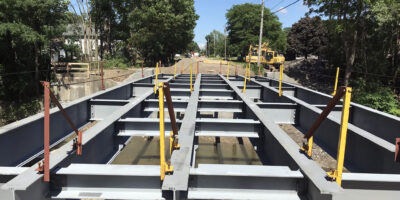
x=102, y=76
x=79, y=144
x=78, y=141
x=307, y=148
x=164, y=166
x=173, y=135
x=142, y=71
x=46, y=161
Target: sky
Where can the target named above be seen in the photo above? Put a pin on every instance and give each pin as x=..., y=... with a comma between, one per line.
x=212, y=14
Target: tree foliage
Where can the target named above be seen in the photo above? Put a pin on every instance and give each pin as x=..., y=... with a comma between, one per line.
x=364, y=40
x=29, y=32
x=308, y=36
x=161, y=28
x=244, y=25
x=215, y=44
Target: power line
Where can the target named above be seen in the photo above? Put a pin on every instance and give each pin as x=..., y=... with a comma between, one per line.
x=285, y=6
x=273, y=7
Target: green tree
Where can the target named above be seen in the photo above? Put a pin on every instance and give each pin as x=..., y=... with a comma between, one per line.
x=161, y=28
x=244, y=25
x=30, y=31
x=349, y=15
x=308, y=36
x=193, y=47
x=110, y=19
x=364, y=37
x=219, y=48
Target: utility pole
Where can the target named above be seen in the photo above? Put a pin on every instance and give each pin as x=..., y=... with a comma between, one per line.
x=261, y=33
x=214, y=43
x=225, y=40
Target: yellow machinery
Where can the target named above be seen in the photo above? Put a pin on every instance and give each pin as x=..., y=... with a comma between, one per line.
x=268, y=56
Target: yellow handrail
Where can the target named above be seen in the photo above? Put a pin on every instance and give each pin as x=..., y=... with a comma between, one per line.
x=164, y=167
x=245, y=79
x=337, y=174
x=280, y=79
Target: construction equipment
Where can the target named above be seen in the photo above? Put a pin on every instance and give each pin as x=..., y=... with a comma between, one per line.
x=269, y=58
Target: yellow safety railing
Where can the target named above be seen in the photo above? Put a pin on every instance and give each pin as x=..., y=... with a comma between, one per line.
x=337, y=174
x=280, y=79
x=174, y=70
x=227, y=74
x=155, y=83
x=336, y=82
x=191, y=77
x=164, y=166
x=245, y=79
x=344, y=92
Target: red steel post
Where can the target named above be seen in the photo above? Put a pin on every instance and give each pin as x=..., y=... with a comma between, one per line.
x=46, y=141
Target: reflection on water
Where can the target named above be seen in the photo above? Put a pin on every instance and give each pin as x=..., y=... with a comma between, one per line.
x=226, y=150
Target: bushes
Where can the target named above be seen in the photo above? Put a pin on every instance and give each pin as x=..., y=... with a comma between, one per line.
x=13, y=111
x=376, y=96
x=119, y=63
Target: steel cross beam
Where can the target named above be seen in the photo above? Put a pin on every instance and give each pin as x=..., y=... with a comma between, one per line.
x=374, y=147
x=318, y=186
x=28, y=184
x=181, y=158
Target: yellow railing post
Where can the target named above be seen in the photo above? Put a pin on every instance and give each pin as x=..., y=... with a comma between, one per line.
x=227, y=74
x=164, y=167
x=337, y=174
x=155, y=83
x=245, y=79
x=280, y=79
x=191, y=74
x=336, y=82
x=174, y=70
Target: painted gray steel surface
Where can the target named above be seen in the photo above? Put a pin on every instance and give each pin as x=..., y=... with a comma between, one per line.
x=123, y=112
